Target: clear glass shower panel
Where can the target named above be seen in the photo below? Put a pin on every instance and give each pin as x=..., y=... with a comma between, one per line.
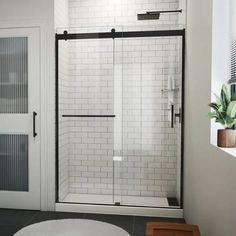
x=120, y=118
x=86, y=117
x=151, y=116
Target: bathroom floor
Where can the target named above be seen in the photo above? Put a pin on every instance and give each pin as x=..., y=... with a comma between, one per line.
x=13, y=220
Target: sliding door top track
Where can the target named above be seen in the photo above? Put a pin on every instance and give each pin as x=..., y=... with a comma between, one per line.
x=113, y=34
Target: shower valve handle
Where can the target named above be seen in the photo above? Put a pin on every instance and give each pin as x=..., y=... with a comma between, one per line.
x=179, y=116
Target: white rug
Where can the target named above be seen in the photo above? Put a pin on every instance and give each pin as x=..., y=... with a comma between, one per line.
x=72, y=227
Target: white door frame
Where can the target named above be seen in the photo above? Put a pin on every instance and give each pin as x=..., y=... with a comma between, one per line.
x=20, y=123
x=47, y=131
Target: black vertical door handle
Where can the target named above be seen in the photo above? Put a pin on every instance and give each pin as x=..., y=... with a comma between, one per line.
x=34, y=125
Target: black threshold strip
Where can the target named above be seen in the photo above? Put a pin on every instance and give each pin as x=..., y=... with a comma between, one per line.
x=106, y=116
x=172, y=202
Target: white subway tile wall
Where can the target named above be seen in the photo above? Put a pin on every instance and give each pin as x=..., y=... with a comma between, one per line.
x=91, y=139
x=64, y=122
x=84, y=13
x=124, y=77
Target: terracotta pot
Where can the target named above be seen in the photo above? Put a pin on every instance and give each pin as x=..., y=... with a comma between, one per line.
x=226, y=138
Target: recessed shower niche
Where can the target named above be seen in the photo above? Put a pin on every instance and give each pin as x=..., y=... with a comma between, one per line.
x=120, y=116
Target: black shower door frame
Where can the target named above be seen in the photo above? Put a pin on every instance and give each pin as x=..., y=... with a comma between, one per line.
x=113, y=34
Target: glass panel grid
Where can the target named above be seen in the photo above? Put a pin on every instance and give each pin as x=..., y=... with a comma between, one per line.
x=14, y=174
x=14, y=75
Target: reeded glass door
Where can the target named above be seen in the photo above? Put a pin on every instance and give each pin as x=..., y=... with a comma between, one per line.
x=19, y=118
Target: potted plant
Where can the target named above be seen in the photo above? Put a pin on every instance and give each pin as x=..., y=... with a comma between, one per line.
x=224, y=112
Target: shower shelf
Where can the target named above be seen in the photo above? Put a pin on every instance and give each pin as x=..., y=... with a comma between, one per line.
x=105, y=116
x=169, y=90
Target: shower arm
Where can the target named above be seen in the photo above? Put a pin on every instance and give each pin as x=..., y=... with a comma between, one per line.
x=159, y=12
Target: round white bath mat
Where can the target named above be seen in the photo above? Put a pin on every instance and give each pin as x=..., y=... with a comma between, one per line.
x=72, y=227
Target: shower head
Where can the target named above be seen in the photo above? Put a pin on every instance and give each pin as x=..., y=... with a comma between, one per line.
x=155, y=15
x=149, y=16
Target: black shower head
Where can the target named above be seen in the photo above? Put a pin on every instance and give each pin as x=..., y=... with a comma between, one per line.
x=148, y=16
x=155, y=15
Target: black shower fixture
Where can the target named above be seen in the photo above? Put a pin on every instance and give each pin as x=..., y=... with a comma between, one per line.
x=155, y=15
x=147, y=16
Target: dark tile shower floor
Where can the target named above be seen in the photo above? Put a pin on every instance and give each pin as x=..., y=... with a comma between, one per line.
x=13, y=220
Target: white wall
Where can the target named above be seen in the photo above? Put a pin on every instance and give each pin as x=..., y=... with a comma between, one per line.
x=221, y=47
x=84, y=13
x=209, y=190
x=233, y=17
x=27, y=13
x=61, y=13
x=27, y=9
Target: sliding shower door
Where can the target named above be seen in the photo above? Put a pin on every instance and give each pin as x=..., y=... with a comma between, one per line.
x=151, y=116
x=86, y=121
x=120, y=117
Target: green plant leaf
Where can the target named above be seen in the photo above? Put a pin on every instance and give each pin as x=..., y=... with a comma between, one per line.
x=225, y=94
x=218, y=100
x=221, y=121
x=224, y=108
x=229, y=122
x=222, y=115
x=212, y=115
x=214, y=106
x=231, y=110
x=221, y=109
x=224, y=103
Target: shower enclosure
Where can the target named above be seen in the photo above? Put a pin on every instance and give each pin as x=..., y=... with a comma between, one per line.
x=119, y=117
